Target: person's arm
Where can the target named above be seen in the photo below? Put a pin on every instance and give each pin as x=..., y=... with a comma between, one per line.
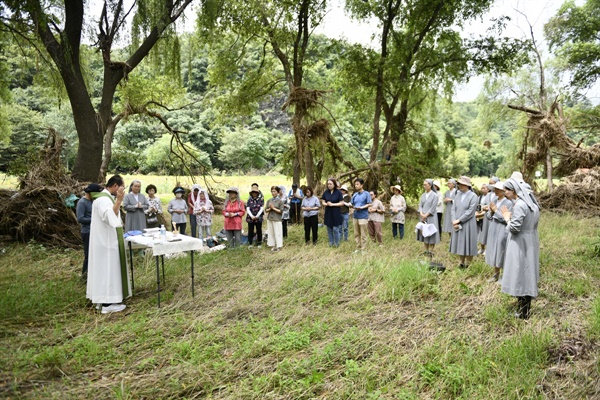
x=470, y=211
x=128, y=205
x=403, y=204
x=144, y=203
x=119, y=200
x=242, y=209
x=278, y=210
x=249, y=212
x=170, y=207
x=80, y=211
x=514, y=220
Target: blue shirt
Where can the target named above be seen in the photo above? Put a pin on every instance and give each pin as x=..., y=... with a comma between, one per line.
x=361, y=200
x=295, y=199
x=312, y=201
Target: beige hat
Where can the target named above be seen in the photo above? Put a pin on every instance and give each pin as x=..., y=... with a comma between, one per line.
x=396, y=187
x=437, y=184
x=465, y=180
x=344, y=187
x=517, y=176
x=498, y=186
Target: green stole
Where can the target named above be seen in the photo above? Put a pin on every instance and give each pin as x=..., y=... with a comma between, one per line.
x=124, y=277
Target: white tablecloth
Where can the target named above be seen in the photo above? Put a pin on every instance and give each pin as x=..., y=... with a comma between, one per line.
x=160, y=247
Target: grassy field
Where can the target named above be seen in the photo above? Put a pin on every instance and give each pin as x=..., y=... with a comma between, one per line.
x=306, y=322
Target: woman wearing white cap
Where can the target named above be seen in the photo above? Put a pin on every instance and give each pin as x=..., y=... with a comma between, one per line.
x=427, y=214
x=463, y=241
x=497, y=234
x=522, y=260
x=448, y=199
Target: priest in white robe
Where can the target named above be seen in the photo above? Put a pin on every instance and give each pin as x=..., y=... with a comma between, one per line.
x=108, y=281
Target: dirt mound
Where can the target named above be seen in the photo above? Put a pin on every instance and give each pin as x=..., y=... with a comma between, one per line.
x=580, y=193
x=40, y=209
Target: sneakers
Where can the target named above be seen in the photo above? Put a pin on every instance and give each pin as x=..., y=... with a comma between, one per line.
x=113, y=308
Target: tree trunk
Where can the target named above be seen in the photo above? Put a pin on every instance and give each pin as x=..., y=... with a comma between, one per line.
x=309, y=167
x=549, y=172
x=108, y=138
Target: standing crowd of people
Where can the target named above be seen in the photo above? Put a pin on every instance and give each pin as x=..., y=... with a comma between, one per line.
x=503, y=220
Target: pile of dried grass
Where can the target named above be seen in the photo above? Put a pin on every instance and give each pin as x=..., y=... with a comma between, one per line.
x=580, y=194
x=38, y=211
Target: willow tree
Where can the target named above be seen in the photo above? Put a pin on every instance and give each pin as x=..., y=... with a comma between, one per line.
x=421, y=55
x=57, y=28
x=284, y=30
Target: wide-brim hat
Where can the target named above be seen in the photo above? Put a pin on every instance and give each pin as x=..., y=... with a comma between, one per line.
x=178, y=189
x=344, y=187
x=254, y=191
x=517, y=176
x=233, y=189
x=465, y=180
x=499, y=186
x=396, y=187
x=93, y=187
x=437, y=184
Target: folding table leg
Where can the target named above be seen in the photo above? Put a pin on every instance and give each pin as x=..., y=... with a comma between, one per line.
x=192, y=254
x=162, y=260
x=131, y=266
x=157, y=281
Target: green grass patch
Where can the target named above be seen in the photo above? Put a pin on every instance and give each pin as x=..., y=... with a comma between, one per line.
x=307, y=322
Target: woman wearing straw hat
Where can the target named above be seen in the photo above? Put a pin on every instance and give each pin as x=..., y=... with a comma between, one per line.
x=448, y=200
x=463, y=241
x=522, y=260
x=233, y=211
x=428, y=214
x=497, y=234
x=397, y=207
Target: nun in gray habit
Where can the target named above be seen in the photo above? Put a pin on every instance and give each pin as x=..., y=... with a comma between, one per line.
x=448, y=201
x=463, y=241
x=497, y=233
x=428, y=214
x=522, y=261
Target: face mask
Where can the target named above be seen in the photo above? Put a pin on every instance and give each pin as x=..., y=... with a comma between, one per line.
x=178, y=195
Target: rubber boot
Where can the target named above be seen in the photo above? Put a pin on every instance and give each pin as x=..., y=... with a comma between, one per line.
x=526, y=307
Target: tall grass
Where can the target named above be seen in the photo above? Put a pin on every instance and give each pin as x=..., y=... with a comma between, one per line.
x=307, y=322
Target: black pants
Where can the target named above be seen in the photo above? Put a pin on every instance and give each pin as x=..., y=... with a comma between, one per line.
x=311, y=223
x=440, y=223
x=295, y=212
x=181, y=226
x=284, y=227
x=258, y=227
x=193, y=224
x=85, y=237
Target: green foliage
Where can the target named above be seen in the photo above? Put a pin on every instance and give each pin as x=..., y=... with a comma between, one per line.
x=166, y=155
x=573, y=36
x=245, y=149
x=27, y=137
x=595, y=319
